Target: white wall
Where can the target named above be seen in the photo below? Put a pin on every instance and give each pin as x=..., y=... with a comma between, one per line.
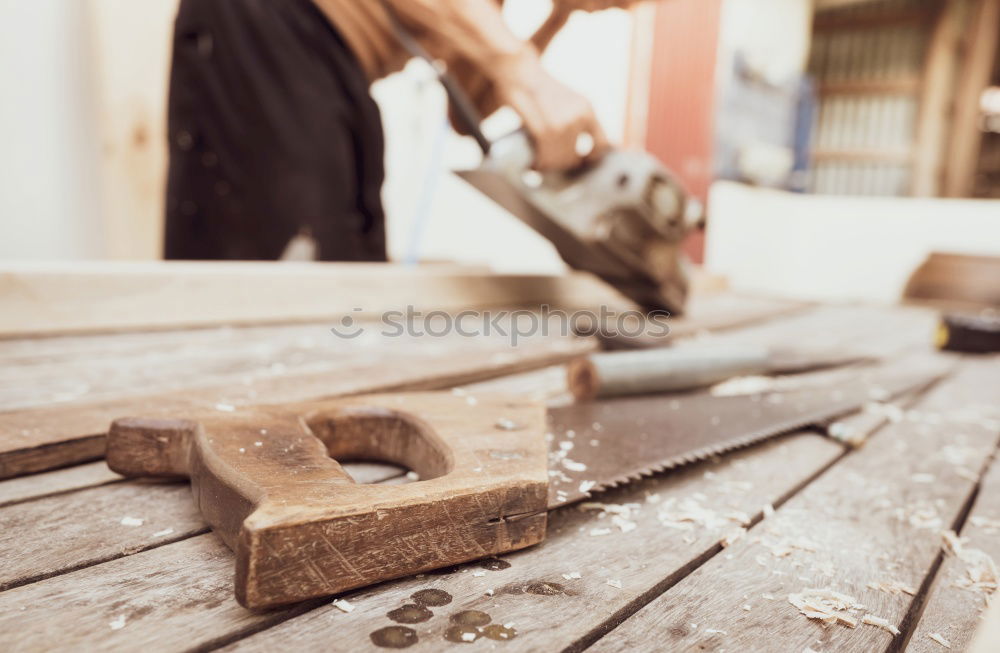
x=837, y=248
x=49, y=202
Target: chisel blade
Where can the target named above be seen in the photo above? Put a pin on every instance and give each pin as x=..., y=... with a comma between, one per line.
x=603, y=444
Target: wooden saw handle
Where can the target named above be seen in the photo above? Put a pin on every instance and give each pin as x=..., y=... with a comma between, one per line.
x=267, y=480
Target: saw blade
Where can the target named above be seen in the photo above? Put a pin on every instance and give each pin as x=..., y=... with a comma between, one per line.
x=600, y=445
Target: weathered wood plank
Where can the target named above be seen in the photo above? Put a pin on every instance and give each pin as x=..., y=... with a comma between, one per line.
x=195, y=583
x=43, y=438
x=34, y=486
x=45, y=298
x=52, y=535
x=873, y=518
x=952, y=610
x=48, y=436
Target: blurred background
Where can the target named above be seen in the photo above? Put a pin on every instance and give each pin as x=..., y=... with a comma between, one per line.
x=837, y=143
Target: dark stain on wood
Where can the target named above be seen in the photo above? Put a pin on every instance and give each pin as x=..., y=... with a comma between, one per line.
x=410, y=614
x=471, y=618
x=394, y=637
x=431, y=597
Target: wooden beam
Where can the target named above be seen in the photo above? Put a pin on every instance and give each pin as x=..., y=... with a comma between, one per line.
x=974, y=77
x=935, y=99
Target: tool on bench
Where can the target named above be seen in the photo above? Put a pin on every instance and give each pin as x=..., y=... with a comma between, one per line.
x=622, y=218
x=646, y=371
x=267, y=479
x=970, y=334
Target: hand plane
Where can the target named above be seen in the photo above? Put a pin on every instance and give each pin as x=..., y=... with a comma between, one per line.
x=622, y=218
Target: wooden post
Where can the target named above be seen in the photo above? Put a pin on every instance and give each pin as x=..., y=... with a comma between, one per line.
x=974, y=77
x=935, y=99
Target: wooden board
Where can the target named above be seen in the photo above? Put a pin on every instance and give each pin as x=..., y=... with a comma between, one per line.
x=51, y=535
x=45, y=484
x=950, y=610
x=46, y=298
x=37, y=439
x=841, y=533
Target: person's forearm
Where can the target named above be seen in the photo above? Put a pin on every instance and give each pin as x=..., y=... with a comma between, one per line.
x=475, y=31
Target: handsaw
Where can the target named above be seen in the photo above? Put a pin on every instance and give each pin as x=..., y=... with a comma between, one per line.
x=267, y=479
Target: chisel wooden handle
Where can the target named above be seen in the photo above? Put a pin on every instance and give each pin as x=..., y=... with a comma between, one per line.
x=268, y=481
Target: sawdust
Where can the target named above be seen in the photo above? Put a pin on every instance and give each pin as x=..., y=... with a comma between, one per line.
x=990, y=526
x=732, y=537
x=980, y=569
x=826, y=605
x=621, y=513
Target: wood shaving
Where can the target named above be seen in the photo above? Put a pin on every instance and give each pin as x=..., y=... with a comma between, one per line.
x=991, y=525
x=132, y=521
x=117, y=623
x=164, y=532
x=690, y=513
x=613, y=582
x=573, y=575
x=478, y=574
x=939, y=638
x=743, y=385
x=596, y=532
x=732, y=536
x=980, y=569
x=873, y=620
x=892, y=587
x=826, y=605
x=343, y=605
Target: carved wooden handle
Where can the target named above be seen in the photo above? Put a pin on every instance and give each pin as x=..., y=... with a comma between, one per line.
x=267, y=480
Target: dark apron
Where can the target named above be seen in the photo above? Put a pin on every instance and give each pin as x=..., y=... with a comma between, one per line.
x=272, y=134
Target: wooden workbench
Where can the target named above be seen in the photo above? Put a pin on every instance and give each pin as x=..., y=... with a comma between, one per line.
x=94, y=562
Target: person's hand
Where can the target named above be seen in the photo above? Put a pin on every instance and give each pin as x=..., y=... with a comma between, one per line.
x=555, y=116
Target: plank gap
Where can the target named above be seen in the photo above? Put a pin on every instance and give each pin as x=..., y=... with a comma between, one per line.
x=663, y=586
x=919, y=603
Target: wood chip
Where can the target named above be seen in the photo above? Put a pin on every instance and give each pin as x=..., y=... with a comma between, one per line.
x=939, y=638
x=343, y=605
x=892, y=587
x=826, y=605
x=873, y=620
x=614, y=582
